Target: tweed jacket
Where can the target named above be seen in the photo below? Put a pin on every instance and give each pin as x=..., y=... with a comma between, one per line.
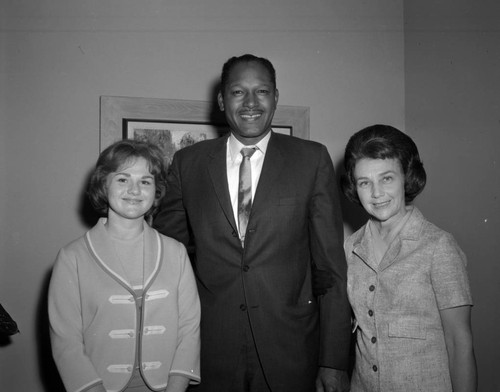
x=400, y=340
x=95, y=319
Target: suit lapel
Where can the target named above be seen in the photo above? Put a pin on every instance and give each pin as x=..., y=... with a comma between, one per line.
x=272, y=167
x=217, y=169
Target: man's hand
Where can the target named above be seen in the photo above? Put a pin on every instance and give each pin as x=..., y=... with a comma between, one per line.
x=332, y=380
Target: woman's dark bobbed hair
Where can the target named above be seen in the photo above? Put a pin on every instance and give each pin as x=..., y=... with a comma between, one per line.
x=383, y=142
x=125, y=152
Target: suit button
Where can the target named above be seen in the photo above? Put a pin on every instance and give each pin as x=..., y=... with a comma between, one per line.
x=370, y=313
x=374, y=339
x=246, y=268
x=371, y=288
x=375, y=368
x=234, y=234
x=243, y=307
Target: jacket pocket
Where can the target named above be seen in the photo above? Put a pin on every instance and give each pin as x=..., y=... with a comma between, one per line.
x=407, y=329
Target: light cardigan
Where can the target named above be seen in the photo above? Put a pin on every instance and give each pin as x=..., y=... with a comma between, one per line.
x=94, y=315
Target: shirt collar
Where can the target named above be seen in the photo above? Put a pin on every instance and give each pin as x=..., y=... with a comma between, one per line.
x=235, y=146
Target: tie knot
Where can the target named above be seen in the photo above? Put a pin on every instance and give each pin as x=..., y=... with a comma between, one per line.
x=247, y=152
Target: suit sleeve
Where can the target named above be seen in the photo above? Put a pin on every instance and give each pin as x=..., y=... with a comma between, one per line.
x=326, y=232
x=171, y=220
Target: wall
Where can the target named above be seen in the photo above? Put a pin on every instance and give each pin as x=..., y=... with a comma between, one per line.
x=452, y=83
x=344, y=59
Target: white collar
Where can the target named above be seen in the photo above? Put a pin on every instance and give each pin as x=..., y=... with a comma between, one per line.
x=235, y=146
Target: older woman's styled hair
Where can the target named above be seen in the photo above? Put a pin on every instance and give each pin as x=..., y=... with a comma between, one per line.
x=117, y=155
x=383, y=142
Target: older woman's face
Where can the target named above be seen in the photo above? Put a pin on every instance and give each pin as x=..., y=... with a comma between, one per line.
x=380, y=184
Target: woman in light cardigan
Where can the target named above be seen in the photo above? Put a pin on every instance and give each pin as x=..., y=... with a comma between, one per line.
x=123, y=304
x=407, y=279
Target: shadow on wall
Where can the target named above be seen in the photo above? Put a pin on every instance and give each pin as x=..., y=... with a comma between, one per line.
x=49, y=375
x=354, y=215
x=88, y=216
x=5, y=340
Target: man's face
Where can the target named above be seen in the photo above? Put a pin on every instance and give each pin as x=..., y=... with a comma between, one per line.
x=249, y=101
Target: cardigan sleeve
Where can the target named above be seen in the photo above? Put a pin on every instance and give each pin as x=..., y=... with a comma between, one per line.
x=186, y=361
x=65, y=316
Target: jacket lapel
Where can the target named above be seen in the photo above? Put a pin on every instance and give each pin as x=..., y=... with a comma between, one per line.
x=272, y=167
x=362, y=248
x=217, y=169
x=391, y=254
x=410, y=233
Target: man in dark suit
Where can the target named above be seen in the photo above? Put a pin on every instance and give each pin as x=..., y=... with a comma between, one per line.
x=262, y=329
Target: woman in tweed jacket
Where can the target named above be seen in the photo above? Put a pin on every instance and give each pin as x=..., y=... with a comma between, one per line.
x=407, y=279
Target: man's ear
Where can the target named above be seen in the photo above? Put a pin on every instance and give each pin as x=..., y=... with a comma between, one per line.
x=276, y=96
x=220, y=101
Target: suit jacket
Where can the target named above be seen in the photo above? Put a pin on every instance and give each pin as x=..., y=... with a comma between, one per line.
x=295, y=221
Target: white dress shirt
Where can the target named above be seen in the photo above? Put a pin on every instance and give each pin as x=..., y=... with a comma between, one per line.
x=233, y=161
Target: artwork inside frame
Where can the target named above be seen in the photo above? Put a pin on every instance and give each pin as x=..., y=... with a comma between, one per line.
x=174, y=124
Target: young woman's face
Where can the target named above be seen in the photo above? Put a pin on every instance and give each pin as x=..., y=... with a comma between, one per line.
x=131, y=190
x=380, y=184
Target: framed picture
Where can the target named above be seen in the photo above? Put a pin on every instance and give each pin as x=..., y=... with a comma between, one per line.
x=173, y=124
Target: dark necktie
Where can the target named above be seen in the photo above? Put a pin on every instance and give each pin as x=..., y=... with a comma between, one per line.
x=245, y=191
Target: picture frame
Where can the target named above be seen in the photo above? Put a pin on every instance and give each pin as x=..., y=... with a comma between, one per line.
x=173, y=123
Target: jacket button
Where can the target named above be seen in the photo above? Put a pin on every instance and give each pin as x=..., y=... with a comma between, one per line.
x=243, y=307
x=246, y=268
x=370, y=313
x=371, y=288
x=375, y=368
x=374, y=339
